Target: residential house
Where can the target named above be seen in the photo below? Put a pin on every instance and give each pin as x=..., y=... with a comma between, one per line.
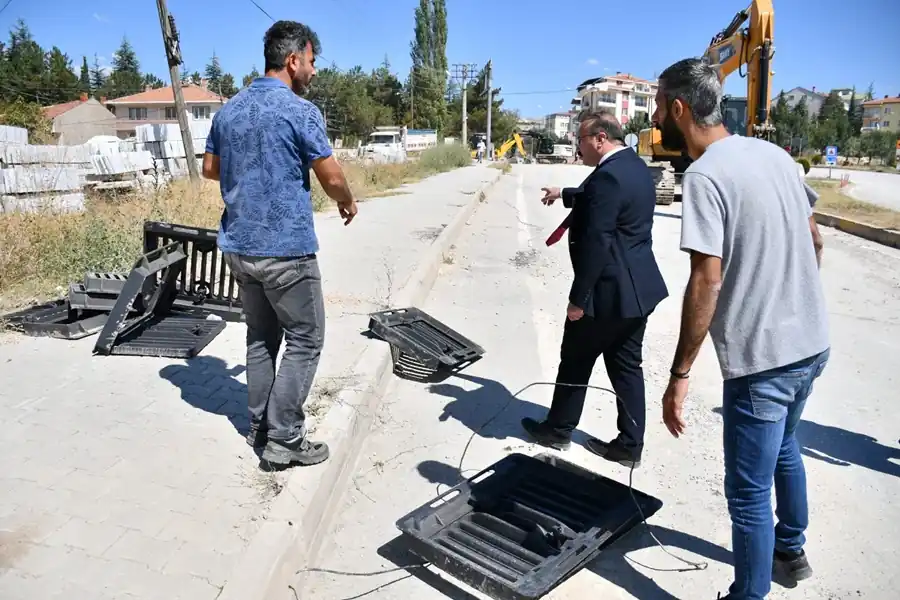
x=156, y=106
x=558, y=123
x=883, y=113
x=624, y=94
x=814, y=99
x=529, y=124
x=845, y=94
x=78, y=121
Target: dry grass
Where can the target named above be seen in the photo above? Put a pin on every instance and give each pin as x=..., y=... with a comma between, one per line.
x=505, y=167
x=832, y=201
x=42, y=252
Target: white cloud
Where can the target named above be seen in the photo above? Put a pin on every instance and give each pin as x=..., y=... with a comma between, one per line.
x=101, y=18
x=593, y=61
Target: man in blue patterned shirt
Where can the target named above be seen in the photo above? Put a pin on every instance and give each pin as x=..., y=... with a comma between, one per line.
x=261, y=147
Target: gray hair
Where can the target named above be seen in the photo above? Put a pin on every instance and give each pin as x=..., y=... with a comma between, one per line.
x=602, y=121
x=285, y=38
x=697, y=84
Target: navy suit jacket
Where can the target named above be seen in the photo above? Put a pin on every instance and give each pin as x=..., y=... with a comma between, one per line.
x=611, y=242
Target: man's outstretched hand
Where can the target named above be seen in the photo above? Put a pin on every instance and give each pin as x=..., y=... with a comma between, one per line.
x=551, y=195
x=348, y=211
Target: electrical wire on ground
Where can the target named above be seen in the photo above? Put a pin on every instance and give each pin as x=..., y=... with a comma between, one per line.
x=691, y=565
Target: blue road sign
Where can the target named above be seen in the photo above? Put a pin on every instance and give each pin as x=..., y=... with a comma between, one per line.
x=831, y=156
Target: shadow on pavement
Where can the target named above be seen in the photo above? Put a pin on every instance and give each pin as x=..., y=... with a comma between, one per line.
x=493, y=402
x=207, y=383
x=843, y=448
x=612, y=564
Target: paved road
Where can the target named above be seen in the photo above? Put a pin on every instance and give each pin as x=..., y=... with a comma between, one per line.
x=507, y=291
x=127, y=477
x=878, y=188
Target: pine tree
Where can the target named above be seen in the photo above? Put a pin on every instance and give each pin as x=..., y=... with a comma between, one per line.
x=26, y=67
x=84, y=82
x=214, y=75
x=228, y=89
x=854, y=114
x=126, y=78
x=59, y=82
x=98, y=77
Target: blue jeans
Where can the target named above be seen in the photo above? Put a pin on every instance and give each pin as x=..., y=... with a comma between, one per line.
x=761, y=413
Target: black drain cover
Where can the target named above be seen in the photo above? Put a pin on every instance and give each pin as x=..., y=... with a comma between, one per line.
x=523, y=525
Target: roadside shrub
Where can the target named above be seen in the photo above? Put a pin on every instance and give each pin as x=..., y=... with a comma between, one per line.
x=445, y=157
x=805, y=163
x=817, y=159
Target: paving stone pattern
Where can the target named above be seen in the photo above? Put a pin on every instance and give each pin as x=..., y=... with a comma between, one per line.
x=128, y=477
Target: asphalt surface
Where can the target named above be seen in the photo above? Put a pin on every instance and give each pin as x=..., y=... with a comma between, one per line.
x=506, y=290
x=882, y=189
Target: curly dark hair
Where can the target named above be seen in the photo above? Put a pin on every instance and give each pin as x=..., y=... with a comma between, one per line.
x=285, y=38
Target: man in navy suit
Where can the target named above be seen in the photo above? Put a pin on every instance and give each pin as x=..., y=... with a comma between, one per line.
x=617, y=284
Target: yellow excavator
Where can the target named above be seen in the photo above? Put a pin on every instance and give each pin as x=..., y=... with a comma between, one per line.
x=729, y=51
x=514, y=140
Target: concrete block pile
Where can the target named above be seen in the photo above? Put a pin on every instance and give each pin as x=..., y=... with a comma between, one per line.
x=13, y=135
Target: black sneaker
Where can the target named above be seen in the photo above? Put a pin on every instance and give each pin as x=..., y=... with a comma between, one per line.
x=794, y=565
x=543, y=434
x=258, y=435
x=614, y=452
x=296, y=451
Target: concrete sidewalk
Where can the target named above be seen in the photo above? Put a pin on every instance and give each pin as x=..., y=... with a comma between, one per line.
x=124, y=477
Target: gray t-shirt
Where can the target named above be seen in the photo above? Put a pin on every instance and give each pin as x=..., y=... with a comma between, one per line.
x=745, y=202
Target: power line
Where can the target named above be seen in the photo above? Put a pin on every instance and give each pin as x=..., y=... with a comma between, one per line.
x=8, y=2
x=253, y=2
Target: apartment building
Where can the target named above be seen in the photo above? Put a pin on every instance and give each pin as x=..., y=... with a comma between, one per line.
x=846, y=94
x=154, y=106
x=622, y=93
x=559, y=123
x=883, y=113
x=814, y=99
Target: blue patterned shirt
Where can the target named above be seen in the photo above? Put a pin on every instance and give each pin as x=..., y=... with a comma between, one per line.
x=266, y=138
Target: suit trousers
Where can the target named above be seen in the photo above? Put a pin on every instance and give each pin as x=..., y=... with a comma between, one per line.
x=620, y=342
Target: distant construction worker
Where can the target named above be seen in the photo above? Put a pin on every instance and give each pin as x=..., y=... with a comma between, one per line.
x=754, y=287
x=616, y=286
x=261, y=147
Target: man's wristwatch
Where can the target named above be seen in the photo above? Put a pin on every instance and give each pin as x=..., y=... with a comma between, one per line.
x=678, y=375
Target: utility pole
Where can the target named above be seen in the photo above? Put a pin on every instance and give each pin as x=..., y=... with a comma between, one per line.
x=173, y=56
x=490, y=105
x=462, y=72
x=412, y=97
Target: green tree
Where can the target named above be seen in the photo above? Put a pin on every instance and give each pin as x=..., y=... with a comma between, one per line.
x=152, y=81
x=98, y=77
x=84, y=82
x=60, y=83
x=428, y=75
x=126, y=78
x=29, y=115
x=854, y=114
x=227, y=87
x=214, y=74
x=870, y=92
x=25, y=67
x=196, y=78
x=249, y=77
x=636, y=124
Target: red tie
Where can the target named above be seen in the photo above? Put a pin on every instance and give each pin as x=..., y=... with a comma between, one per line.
x=559, y=231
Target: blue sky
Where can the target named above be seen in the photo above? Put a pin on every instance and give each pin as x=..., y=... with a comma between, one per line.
x=539, y=48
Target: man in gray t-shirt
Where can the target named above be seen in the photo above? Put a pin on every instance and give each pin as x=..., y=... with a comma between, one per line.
x=755, y=288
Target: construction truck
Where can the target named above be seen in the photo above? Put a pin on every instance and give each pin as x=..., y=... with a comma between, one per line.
x=729, y=51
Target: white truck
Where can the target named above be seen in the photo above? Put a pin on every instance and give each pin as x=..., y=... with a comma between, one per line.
x=391, y=144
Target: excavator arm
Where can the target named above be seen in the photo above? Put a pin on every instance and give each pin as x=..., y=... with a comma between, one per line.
x=735, y=47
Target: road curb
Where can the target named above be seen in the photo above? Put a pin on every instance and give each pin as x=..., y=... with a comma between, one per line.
x=887, y=237
x=300, y=516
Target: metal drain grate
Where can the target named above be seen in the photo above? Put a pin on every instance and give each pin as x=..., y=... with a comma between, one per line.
x=523, y=525
x=175, y=335
x=55, y=319
x=422, y=347
x=205, y=281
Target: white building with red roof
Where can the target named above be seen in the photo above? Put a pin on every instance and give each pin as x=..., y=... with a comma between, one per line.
x=157, y=106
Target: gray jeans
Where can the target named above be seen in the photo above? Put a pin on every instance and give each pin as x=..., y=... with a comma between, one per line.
x=282, y=298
